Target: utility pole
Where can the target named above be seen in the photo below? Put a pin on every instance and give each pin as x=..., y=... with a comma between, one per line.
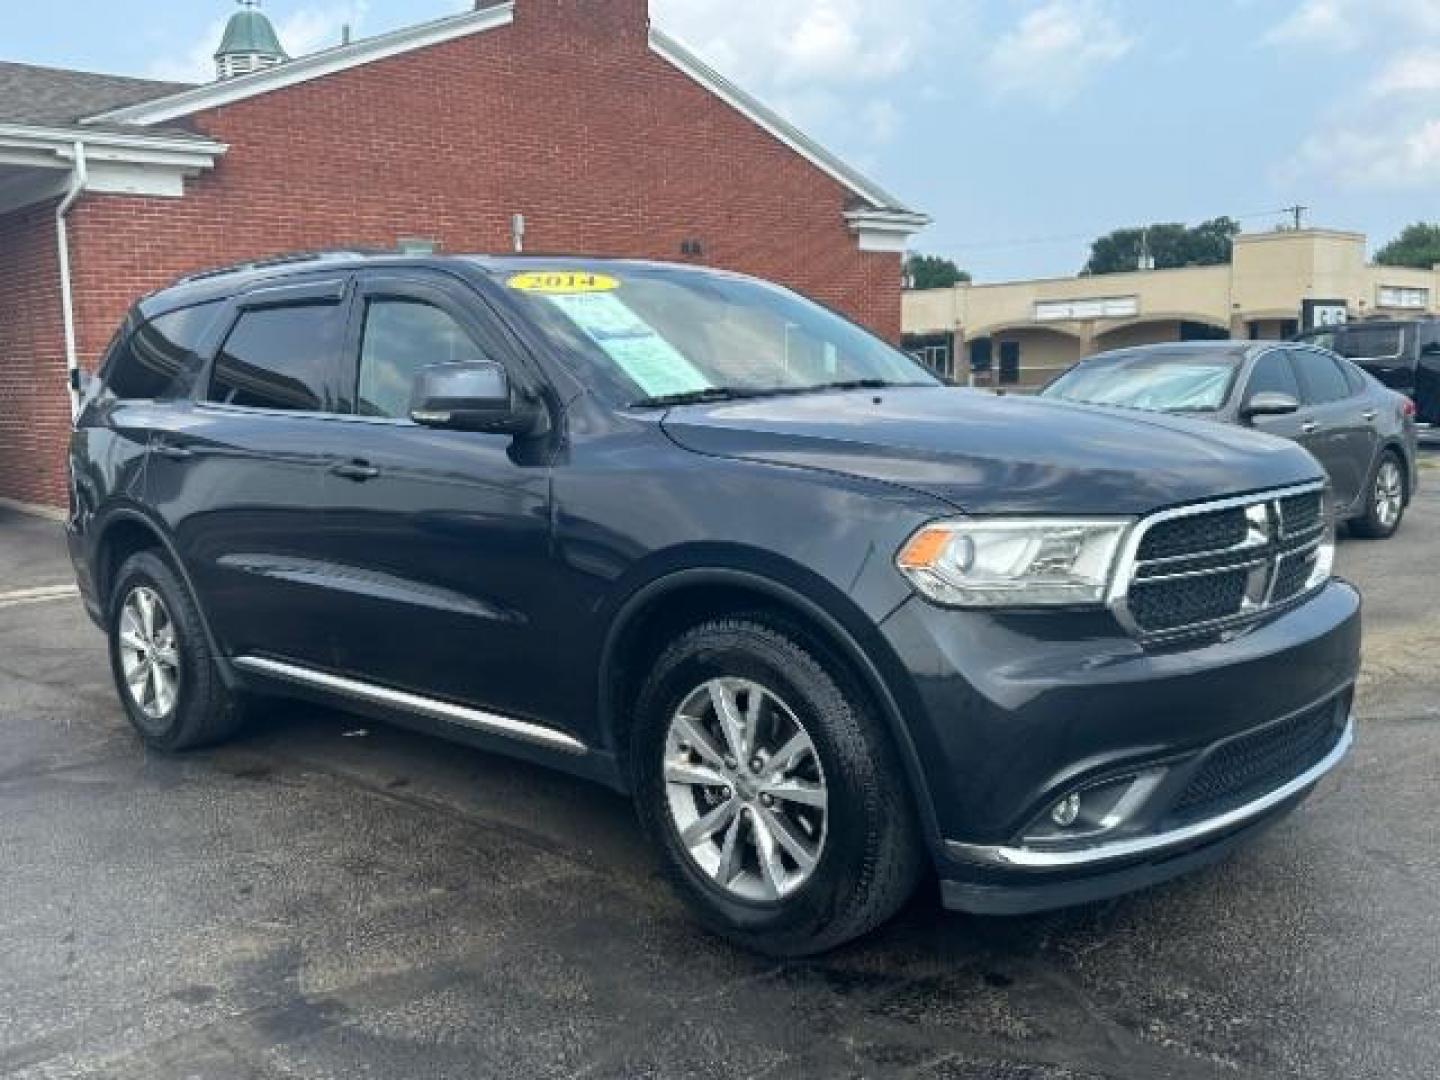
x=1298, y=212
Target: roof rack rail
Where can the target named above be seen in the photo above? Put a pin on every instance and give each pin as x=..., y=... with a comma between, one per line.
x=286, y=259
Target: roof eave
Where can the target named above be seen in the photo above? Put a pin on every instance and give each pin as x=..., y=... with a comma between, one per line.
x=306, y=68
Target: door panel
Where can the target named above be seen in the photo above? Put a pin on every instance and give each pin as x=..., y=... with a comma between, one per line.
x=242, y=493
x=1342, y=438
x=442, y=537
x=239, y=478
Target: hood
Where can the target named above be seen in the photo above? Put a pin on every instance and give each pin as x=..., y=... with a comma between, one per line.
x=986, y=454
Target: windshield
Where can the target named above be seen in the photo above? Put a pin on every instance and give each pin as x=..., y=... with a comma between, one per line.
x=1172, y=382
x=656, y=335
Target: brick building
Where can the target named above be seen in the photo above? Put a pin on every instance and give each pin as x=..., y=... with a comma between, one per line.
x=606, y=134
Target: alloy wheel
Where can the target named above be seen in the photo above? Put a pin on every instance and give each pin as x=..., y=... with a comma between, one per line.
x=746, y=790
x=149, y=653
x=1389, y=493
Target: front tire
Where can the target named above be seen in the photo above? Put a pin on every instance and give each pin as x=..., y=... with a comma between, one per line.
x=167, y=678
x=771, y=790
x=1385, y=503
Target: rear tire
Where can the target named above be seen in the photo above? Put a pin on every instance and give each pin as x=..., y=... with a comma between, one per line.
x=164, y=671
x=813, y=769
x=1385, y=500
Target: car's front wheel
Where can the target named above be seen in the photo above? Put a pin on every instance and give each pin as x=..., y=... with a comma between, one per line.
x=167, y=679
x=771, y=790
x=1386, y=505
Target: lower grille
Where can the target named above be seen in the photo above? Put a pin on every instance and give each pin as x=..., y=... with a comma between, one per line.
x=1249, y=767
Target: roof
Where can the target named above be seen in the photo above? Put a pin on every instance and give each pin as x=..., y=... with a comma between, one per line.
x=249, y=31
x=876, y=209
x=55, y=97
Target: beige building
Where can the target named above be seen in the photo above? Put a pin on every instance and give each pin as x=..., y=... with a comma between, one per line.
x=1023, y=333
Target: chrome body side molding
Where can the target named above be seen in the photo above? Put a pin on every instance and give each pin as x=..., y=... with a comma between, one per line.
x=446, y=711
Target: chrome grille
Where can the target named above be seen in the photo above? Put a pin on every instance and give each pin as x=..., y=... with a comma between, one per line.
x=1209, y=568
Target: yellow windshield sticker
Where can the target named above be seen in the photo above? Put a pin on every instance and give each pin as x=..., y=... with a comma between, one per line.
x=563, y=282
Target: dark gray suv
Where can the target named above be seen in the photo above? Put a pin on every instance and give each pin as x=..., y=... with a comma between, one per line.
x=830, y=622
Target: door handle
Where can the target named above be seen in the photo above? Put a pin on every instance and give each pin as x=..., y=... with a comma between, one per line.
x=1308, y=427
x=1368, y=415
x=171, y=451
x=359, y=471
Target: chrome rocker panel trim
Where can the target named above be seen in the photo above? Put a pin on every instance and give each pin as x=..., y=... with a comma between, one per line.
x=477, y=719
x=1019, y=858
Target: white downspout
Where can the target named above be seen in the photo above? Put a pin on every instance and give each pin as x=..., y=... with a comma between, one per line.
x=78, y=177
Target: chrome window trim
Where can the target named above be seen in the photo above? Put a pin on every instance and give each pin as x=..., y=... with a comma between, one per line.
x=1020, y=858
x=1117, y=598
x=478, y=719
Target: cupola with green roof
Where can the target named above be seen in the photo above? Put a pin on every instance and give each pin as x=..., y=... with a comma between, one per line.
x=250, y=43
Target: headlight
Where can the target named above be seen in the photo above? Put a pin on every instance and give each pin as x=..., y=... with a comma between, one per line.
x=1018, y=562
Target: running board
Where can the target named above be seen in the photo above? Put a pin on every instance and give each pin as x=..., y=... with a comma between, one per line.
x=476, y=719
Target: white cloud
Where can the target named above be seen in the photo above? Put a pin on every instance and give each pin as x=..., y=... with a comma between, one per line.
x=1346, y=24
x=1055, y=50
x=1415, y=72
x=1397, y=158
x=813, y=60
x=1384, y=133
x=305, y=30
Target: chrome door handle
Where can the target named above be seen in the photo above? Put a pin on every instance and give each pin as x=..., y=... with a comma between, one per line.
x=1368, y=415
x=1308, y=427
x=359, y=471
x=171, y=451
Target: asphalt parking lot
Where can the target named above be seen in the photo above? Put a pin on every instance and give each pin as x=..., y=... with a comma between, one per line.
x=332, y=898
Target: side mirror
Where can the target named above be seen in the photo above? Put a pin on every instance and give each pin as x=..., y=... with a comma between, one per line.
x=473, y=397
x=1269, y=403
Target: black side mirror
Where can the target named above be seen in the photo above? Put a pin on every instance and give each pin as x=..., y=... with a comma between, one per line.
x=473, y=397
x=1269, y=403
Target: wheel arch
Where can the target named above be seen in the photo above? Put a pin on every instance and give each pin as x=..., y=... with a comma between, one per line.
x=682, y=598
x=126, y=529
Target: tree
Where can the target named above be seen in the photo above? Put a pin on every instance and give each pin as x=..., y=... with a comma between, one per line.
x=1418, y=246
x=932, y=272
x=1170, y=244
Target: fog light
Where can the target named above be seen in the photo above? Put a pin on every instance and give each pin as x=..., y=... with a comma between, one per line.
x=1066, y=810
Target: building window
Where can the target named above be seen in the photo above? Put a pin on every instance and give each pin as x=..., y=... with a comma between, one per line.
x=1108, y=307
x=935, y=351
x=1397, y=296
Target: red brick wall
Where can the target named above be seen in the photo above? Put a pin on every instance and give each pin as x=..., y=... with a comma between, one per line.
x=34, y=408
x=566, y=116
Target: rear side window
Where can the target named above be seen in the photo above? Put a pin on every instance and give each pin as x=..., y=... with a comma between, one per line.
x=401, y=337
x=1321, y=377
x=159, y=359
x=1273, y=375
x=279, y=358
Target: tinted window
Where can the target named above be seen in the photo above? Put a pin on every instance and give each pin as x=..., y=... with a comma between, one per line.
x=279, y=358
x=1273, y=375
x=157, y=360
x=1364, y=342
x=401, y=337
x=1322, y=378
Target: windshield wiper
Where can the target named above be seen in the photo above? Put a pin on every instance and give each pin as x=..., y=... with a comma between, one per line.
x=696, y=397
x=860, y=384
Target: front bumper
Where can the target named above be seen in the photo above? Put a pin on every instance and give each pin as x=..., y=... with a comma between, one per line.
x=1011, y=713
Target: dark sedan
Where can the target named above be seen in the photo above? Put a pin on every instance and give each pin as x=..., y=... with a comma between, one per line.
x=1363, y=433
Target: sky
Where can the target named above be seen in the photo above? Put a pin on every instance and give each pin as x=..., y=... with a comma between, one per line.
x=1024, y=128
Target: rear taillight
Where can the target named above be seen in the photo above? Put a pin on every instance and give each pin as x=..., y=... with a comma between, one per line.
x=1407, y=407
